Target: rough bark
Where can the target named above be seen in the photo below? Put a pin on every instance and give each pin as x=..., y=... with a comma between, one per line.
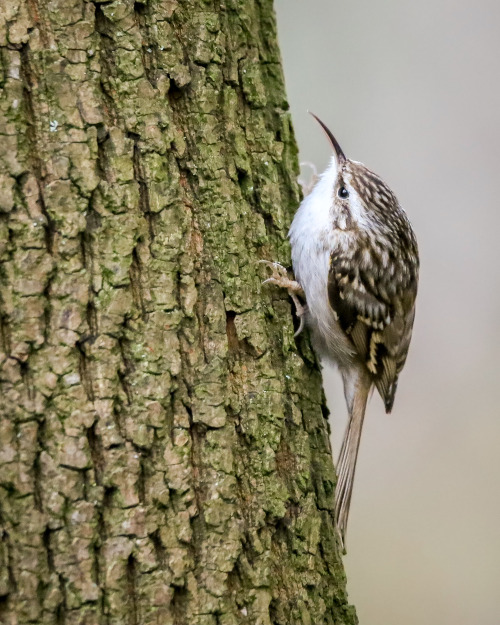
x=164, y=445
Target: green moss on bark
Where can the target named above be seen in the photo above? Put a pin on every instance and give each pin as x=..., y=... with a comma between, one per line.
x=164, y=455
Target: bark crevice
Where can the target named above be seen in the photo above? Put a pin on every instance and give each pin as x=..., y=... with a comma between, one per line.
x=164, y=453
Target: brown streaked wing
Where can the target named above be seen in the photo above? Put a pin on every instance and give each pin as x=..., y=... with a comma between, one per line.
x=378, y=325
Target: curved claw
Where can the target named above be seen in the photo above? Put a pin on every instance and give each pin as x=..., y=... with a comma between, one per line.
x=280, y=278
x=300, y=311
x=276, y=267
x=301, y=326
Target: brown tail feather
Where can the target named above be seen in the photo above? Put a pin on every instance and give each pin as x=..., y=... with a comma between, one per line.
x=346, y=465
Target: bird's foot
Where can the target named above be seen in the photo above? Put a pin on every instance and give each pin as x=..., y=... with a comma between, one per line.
x=279, y=277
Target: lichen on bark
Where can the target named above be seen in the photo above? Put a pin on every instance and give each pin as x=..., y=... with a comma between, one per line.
x=164, y=447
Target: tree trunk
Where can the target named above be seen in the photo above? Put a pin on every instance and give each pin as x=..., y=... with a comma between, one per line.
x=164, y=447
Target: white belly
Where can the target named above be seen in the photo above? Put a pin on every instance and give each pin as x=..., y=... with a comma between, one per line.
x=313, y=239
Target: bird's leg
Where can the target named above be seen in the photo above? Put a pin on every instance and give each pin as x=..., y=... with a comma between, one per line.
x=280, y=278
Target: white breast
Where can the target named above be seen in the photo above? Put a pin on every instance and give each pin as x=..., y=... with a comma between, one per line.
x=313, y=239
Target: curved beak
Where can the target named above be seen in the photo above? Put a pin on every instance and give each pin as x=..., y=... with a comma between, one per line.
x=338, y=150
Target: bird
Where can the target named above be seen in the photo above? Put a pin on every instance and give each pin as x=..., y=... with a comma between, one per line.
x=355, y=262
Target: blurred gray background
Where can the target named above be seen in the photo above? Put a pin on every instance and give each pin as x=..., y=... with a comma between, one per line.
x=412, y=89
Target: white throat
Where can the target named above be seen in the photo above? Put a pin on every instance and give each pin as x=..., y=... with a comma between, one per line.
x=316, y=231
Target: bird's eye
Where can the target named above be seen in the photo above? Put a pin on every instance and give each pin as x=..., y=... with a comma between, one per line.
x=343, y=193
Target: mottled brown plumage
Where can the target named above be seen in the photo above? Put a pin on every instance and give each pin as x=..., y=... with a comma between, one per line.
x=355, y=259
x=372, y=285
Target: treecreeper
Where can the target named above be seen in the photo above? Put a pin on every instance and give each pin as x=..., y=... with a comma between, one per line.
x=355, y=260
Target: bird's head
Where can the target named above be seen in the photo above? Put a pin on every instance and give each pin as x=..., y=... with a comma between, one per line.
x=357, y=192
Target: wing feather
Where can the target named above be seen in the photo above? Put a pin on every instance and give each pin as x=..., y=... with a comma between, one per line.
x=375, y=306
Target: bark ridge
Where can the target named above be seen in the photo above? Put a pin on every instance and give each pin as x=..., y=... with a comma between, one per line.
x=164, y=448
